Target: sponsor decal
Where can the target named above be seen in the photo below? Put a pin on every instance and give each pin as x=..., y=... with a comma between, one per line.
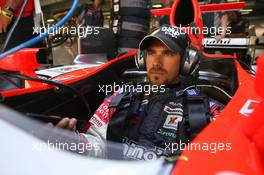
x=103, y=114
x=56, y=71
x=172, y=122
x=137, y=152
x=248, y=107
x=212, y=103
x=176, y=110
x=170, y=31
x=167, y=134
x=192, y=92
x=96, y=121
x=66, y=77
x=175, y=115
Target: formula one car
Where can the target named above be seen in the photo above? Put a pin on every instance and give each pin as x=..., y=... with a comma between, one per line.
x=74, y=90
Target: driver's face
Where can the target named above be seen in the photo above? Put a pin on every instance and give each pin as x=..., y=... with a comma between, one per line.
x=97, y=3
x=163, y=65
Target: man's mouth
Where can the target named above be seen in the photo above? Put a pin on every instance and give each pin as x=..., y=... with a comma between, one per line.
x=156, y=73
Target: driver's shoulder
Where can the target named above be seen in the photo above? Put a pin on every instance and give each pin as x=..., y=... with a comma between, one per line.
x=193, y=92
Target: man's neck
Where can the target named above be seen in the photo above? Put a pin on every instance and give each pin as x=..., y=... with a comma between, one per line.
x=171, y=86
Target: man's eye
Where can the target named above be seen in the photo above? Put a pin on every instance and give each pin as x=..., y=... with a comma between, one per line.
x=150, y=53
x=168, y=53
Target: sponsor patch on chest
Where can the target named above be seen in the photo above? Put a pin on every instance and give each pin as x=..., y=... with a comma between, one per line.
x=174, y=113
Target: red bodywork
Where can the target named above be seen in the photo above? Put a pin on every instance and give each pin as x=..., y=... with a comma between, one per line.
x=26, y=64
x=236, y=124
x=66, y=78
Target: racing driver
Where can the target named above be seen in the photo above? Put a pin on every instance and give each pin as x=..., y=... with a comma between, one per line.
x=148, y=122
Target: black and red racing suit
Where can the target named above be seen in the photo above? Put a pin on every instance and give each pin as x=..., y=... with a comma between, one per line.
x=145, y=123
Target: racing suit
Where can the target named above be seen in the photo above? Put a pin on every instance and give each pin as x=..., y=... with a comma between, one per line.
x=147, y=123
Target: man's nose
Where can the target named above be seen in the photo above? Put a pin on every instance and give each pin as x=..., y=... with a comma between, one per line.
x=157, y=61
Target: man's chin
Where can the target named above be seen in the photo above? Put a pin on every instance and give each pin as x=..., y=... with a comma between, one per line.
x=156, y=81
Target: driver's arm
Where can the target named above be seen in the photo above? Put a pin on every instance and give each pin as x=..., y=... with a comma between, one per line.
x=68, y=124
x=6, y=14
x=97, y=127
x=13, y=3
